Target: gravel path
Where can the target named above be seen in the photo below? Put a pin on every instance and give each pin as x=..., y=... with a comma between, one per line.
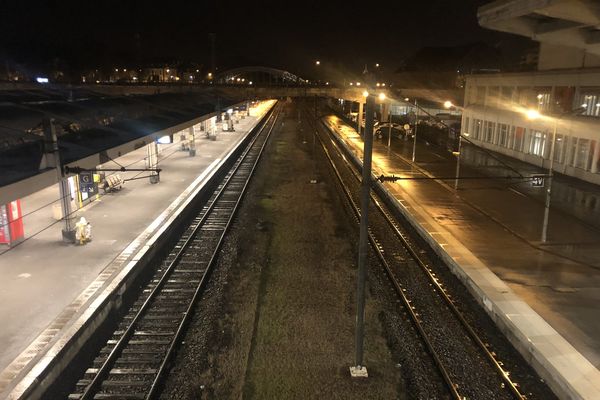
x=277, y=319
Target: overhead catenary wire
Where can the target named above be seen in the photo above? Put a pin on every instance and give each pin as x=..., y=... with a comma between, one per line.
x=100, y=195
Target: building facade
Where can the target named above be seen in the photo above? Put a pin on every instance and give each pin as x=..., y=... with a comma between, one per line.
x=565, y=90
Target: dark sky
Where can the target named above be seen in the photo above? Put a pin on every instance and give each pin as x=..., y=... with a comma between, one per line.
x=288, y=34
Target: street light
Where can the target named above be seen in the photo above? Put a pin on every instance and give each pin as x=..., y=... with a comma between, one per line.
x=359, y=370
x=414, y=152
x=533, y=115
x=317, y=62
x=448, y=104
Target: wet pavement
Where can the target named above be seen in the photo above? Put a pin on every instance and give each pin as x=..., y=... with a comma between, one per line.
x=501, y=224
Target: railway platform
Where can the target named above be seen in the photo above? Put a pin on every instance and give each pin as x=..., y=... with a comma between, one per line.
x=48, y=285
x=545, y=296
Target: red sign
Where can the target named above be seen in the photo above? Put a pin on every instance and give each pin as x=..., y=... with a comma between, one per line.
x=16, y=221
x=11, y=223
x=4, y=227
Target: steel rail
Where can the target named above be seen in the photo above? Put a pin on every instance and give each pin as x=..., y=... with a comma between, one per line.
x=104, y=370
x=451, y=386
x=423, y=265
x=156, y=383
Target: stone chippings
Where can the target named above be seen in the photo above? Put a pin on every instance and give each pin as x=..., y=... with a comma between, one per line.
x=202, y=371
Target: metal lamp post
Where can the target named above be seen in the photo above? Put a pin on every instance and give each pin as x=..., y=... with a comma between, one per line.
x=414, y=152
x=359, y=370
x=549, y=190
x=458, y=160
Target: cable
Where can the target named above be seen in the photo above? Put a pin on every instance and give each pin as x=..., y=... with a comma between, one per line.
x=75, y=211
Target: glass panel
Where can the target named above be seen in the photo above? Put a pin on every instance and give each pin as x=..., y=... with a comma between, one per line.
x=538, y=141
x=591, y=102
x=573, y=151
x=511, y=138
x=477, y=128
x=489, y=131
x=559, y=147
x=564, y=97
x=502, y=135
x=583, y=148
x=519, y=136
x=527, y=96
x=591, y=155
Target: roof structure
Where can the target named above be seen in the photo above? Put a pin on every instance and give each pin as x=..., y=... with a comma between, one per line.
x=572, y=23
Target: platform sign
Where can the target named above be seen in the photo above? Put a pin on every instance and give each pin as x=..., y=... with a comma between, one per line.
x=537, y=181
x=86, y=182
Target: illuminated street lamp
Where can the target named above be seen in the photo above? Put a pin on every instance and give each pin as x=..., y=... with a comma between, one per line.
x=381, y=96
x=414, y=150
x=359, y=370
x=533, y=115
x=448, y=104
x=317, y=62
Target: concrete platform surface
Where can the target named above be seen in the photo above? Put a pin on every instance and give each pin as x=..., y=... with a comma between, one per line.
x=47, y=283
x=546, y=297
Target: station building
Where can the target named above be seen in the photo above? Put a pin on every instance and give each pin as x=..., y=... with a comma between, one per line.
x=564, y=90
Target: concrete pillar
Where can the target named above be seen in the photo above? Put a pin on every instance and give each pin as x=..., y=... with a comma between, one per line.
x=51, y=159
x=152, y=161
x=192, y=141
x=359, y=117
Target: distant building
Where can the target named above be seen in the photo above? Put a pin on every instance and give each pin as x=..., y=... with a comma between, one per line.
x=159, y=74
x=567, y=78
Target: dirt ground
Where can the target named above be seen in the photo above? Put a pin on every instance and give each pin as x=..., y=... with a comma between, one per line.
x=277, y=319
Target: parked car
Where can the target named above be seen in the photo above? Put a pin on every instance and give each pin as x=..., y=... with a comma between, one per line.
x=381, y=130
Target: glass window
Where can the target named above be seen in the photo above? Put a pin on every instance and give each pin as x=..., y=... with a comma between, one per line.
x=573, y=151
x=543, y=101
x=583, y=149
x=591, y=151
x=564, y=97
x=477, y=128
x=489, y=131
x=560, y=145
x=511, y=137
x=502, y=135
x=527, y=96
x=467, y=125
x=519, y=138
x=591, y=102
x=538, y=142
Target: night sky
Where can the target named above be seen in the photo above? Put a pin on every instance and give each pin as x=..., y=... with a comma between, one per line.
x=343, y=35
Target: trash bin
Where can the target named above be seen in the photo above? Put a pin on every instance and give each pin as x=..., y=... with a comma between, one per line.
x=57, y=211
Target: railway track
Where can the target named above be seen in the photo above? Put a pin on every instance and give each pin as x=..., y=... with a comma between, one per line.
x=133, y=362
x=464, y=361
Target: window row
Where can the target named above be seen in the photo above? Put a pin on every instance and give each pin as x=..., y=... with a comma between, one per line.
x=549, y=99
x=570, y=150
